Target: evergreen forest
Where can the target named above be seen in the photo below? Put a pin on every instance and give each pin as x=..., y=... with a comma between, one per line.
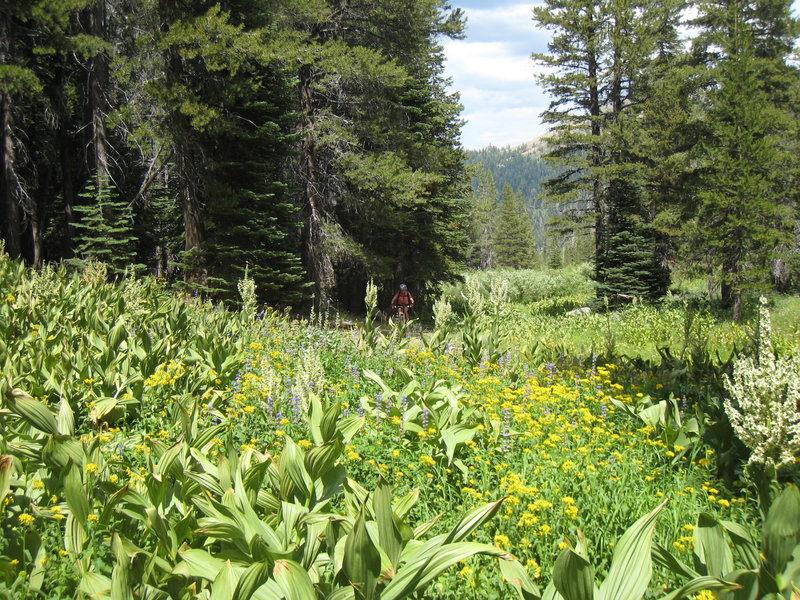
x=205, y=207
x=314, y=145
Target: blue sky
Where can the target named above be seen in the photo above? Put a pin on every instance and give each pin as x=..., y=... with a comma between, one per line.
x=493, y=72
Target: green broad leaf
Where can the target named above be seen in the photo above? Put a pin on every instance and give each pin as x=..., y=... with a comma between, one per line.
x=711, y=548
x=472, y=520
x=198, y=563
x=314, y=534
x=115, y=499
x=61, y=449
x=269, y=591
x=253, y=477
x=355, y=494
x=293, y=580
x=362, y=561
x=455, y=435
x=428, y=565
x=206, y=435
x=65, y=420
x=216, y=528
x=791, y=575
x=517, y=576
x=103, y=408
x=225, y=582
x=206, y=481
x=420, y=530
x=202, y=460
x=551, y=593
x=573, y=576
x=169, y=464
x=743, y=544
x=320, y=459
x=292, y=464
x=330, y=420
x=34, y=412
x=75, y=542
x=117, y=335
x=6, y=470
x=256, y=528
x=315, y=420
x=253, y=577
x=75, y=494
x=159, y=524
x=390, y=539
x=406, y=503
x=698, y=584
x=782, y=528
x=664, y=558
x=349, y=427
x=625, y=407
x=120, y=581
x=291, y=513
x=631, y=565
x=653, y=415
x=371, y=375
x=36, y=576
x=95, y=585
x=342, y=593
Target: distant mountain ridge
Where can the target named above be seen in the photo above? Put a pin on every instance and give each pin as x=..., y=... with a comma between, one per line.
x=522, y=167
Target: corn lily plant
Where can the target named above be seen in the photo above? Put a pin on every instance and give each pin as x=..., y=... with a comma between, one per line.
x=248, y=525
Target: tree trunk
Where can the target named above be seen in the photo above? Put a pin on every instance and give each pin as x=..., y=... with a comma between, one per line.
x=98, y=81
x=318, y=260
x=781, y=276
x=192, y=218
x=598, y=202
x=11, y=213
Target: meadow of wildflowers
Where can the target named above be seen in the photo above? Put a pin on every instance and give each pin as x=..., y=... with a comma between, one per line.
x=199, y=452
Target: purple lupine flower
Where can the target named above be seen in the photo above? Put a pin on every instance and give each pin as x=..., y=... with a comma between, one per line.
x=270, y=407
x=507, y=429
x=297, y=409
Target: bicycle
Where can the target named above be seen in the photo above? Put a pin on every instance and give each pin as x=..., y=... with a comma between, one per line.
x=400, y=313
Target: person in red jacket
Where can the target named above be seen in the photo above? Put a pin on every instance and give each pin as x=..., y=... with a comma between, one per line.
x=402, y=301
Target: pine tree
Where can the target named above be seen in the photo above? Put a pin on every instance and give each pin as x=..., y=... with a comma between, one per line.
x=744, y=210
x=107, y=233
x=381, y=176
x=483, y=216
x=631, y=267
x=513, y=238
x=603, y=61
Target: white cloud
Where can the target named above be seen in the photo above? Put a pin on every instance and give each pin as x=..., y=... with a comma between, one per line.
x=494, y=74
x=508, y=20
x=504, y=127
x=493, y=63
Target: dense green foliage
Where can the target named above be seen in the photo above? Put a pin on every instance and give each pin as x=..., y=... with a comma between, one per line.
x=523, y=167
x=249, y=455
x=313, y=143
x=705, y=127
x=513, y=236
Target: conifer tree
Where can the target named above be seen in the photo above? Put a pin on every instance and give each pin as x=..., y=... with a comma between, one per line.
x=631, y=267
x=745, y=209
x=513, y=238
x=603, y=61
x=106, y=229
x=484, y=214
